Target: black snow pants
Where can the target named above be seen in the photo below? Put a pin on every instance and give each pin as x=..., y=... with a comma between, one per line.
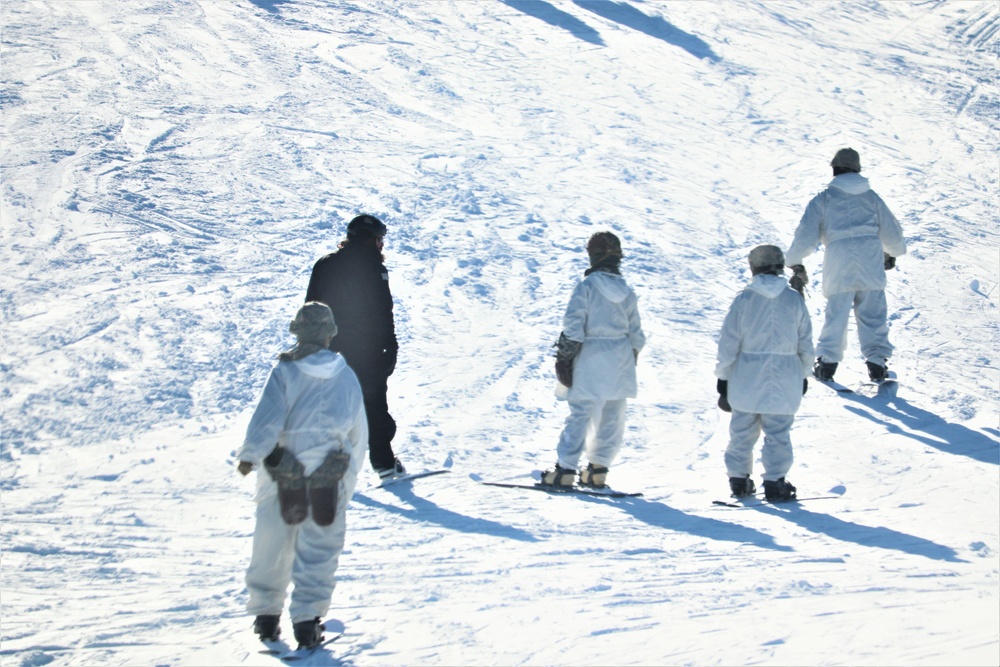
x=369, y=367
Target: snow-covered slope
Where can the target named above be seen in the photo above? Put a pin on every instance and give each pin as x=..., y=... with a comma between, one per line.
x=170, y=172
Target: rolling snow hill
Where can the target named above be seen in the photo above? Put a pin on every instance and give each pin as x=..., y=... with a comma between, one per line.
x=171, y=171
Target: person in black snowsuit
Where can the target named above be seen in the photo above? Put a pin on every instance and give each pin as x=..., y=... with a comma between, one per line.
x=354, y=283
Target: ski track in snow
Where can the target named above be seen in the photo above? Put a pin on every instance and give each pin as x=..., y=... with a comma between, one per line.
x=171, y=173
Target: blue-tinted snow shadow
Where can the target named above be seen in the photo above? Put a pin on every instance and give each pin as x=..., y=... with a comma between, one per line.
x=654, y=26
x=939, y=434
x=660, y=515
x=542, y=10
x=424, y=511
x=879, y=537
x=272, y=6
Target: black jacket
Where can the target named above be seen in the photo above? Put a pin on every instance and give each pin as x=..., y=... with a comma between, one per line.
x=354, y=283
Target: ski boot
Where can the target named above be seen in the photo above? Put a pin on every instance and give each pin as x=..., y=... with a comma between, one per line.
x=594, y=476
x=824, y=370
x=308, y=633
x=324, y=484
x=877, y=372
x=397, y=470
x=559, y=476
x=742, y=487
x=267, y=628
x=289, y=474
x=778, y=490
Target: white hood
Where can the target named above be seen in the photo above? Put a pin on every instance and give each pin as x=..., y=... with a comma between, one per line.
x=322, y=365
x=611, y=285
x=851, y=183
x=768, y=285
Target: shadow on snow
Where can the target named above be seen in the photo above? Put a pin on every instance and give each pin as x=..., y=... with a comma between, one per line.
x=556, y=17
x=271, y=6
x=654, y=26
x=868, y=536
x=425, y=511
x=940, y=434
x=660, y=515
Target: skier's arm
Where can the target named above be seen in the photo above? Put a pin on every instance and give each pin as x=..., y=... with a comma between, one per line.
x=385, y=306
x=808, y=234
x=572, y=336
x=889, y=230
x=730, y=340
x=267, y=421
x=575, y=320
x=387, y=325
x=635, y=333
x=806, y=350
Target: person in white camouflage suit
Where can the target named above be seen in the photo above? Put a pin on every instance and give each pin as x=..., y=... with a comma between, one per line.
x=596, y=358
x=765, y=351
x=308, y=437
x=862, y=239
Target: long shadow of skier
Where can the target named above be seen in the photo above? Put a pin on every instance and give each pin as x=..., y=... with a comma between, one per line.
x=661, y=515
x=272, y=6
x=556, y=17
x=868, y=536
x=654, y=26
x=940, y=434
x=425, y=511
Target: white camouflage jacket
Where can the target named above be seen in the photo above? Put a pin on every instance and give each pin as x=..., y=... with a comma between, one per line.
x=766, y=348
x=310, y=407
x=603, y=314
x=856, y=226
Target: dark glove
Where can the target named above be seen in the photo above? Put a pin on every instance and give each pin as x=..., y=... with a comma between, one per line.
x=890, y=261
x=566, y=351
x=244, y=467
x=283, y=468
x=805, y=385
x=799, y=279
x=564, y=371
x=389, y=360
x=722, y=386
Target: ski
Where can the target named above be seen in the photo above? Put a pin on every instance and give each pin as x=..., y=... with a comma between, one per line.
x=409, y=476
x=303, y=653
x=868, y=389
x=583, y=490
x=886, y=387
x=757, y=502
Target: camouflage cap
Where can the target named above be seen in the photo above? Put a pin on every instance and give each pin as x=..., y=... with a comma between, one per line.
x=766, y=256
x=313, y=323
x=847, y=158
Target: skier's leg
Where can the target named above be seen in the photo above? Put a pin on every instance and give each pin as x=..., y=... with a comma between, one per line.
x=381, y=429
x=776, y=454
x=870, y=312
x=368, y=368
x=610, y=433
x=744, y=429
x=317, y=553
x=574, y=434
x=833, y=338
x=271, y=559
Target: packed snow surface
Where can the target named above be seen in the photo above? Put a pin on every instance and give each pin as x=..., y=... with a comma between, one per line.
x=171, y=171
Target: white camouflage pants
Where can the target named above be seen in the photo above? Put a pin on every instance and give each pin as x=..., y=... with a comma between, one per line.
x=304, y=554
x=595, y=426
x=776, y=454
x=870, y=312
